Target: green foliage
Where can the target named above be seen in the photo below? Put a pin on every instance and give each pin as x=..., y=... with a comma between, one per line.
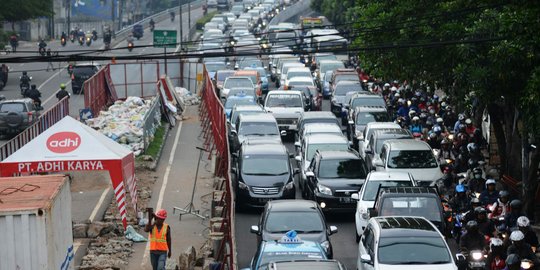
x=202, y=21
x=13, y=10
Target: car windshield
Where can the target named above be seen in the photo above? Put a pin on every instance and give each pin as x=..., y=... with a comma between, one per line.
x=302, y=73
x=343, y=89
x=347, y=77
x=300, y=83
x=379, y=143
x=312, y=148
x=414, y=159
x=213, y=67
x=326, y=57
x=413, y=250
x=242, y=92
x=231, y=102
x=282, y=222
x=331, y=66
x=288, y=255
x=258, y=128
x=237, y=83
x=237, y=9
x=372, y=187
x=363, y=118
x=265, y=165
x=344, y=168
x=368, y=101
x=221, y=76
x=411, y=206
x=284, y=100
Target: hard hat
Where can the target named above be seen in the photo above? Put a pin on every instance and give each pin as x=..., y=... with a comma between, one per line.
x=62, y=86
x=416, y=118
x=517, y=235
x=439, y=120
x=161, y=213
x=475, y=201
x=386, y=85
x=523, y=221
x=490, y=182
x=393, y=89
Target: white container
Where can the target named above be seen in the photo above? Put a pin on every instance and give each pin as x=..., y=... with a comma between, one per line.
x=35, y=223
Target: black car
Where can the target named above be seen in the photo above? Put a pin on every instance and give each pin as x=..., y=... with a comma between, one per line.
x=80, y=74
x=340, y=97
x=332, y=177
x=138, y=31
x=305, y=217
x=263, y=172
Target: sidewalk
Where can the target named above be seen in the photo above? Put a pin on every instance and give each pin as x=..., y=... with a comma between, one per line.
x=174, y=177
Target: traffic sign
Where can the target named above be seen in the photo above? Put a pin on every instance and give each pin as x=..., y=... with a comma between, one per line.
x=165, y=38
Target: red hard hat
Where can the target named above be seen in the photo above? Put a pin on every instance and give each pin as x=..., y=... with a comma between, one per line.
x=161, y=213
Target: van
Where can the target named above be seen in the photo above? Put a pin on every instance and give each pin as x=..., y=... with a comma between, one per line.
x=81, y=73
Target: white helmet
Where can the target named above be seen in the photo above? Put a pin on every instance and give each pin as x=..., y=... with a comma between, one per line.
x=496, y=242
x=439, y=120
x=468, y=121
x=393, y=89
x=517, y=235
x=416, y=118
x=386, y=85
x=523, y=221
x=490, y=182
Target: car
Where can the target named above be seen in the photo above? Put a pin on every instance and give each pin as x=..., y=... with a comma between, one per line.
x=298, y=72
x=363, y=138
x=319, y=128
x=258, y=126
x=237, y=9
x=281, y=216
x=240, y=99
x=255, y=79
x=138, y=31
x=315, y=117
x=296, y=82
x=222, y=4
x=326, y=65
x=235, y=82
x=317, y=57
x=220, y=77
x=325, y=84
x=271, y=253
x=16, y=115
x=343, y=74
x=411, y=201
x=378, y=137
x=285, y=38
x=364, y=98
x=403, y=242
x=312, y=264
x=263, y=172
x=80, y=73
x=286, y=106
x=211, y=3
x=263, y=75
x=282, y=61
x=332, y=177
x=235, y=115
x=252, y=62
x=363, y=115
x=214, y=66
x=285, y=66
x=368, y=192
x=339, y=93
x=411, y=156
x=306, y=149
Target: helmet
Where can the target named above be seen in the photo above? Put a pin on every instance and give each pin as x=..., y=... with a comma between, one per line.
x=429, y=123
x=443, y=104
x=468, y=121
x=517, y=235
x=515, y=204
x=24, y=73
x=437, y=129
x=523, y=221
x=161, y=213
x=411, y=112
x=490, y=182
x=461, y=117
x=475, y=201
x=477, y=170
x=435, y=97
x=460, y=188
x=472, y=226
x=416, y=118
x=496, y=242
x=62, y=86
x=512, y=259
x=432, y=135
x=444, y=141
x=480, y=210
x=439, y=120
x=386, y=85
x=471, y=147
x=504, y=193
x=461, y=127
x=393, y=89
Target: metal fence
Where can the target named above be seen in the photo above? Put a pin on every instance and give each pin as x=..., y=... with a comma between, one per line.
x=189, y=71
x=135, y=79
x=45, y=120
x=151, y=121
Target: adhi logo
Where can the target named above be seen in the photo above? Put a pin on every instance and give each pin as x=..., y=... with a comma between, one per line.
x=63, y=142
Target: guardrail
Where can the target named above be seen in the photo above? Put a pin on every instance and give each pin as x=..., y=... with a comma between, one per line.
x=151, y=121
x=45, y=120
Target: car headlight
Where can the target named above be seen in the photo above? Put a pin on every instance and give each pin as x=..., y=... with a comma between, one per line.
x=364, y=213
x=289, y=185
x=324, y=189
x=476, y=255
x=243, y=186
x=326, y=246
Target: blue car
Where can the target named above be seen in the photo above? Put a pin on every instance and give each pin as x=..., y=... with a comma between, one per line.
x=289, y=248
x=237, y=101
x=325, y=84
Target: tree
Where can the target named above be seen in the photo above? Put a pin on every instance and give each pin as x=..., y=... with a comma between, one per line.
x=485, y=49
x=14, y=11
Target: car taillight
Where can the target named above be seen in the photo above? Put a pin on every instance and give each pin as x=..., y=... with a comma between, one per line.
x=30, y=115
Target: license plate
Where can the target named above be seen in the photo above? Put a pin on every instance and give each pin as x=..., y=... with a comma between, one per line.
x=263, y=200
x=345, y=200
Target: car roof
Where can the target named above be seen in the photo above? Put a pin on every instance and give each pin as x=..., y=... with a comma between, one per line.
x=307, y=264
x=298, y=69
x=407, y=144
x=360, y=109
x=364, y=94
x=19, y=100
x=264, y=149
x=416, y=191
x=400, y=226
x=321, y=127
x=325, y=138
x=338, y=155
x=305, y=246
x=301, y=79
x=248, y=108
x=391, y=133
x=263, y=117
x=292, y=205
x=246, y=72
x=389, y=176
x=281, y=92
x=377, y=125
x=318, y=115
x=329, y=61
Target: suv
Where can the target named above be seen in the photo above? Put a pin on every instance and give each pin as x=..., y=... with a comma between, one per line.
x=343, y=74
x=339, y=100
x=312, y=264
x=286, y=106
x=411, y=156
x=410, y=201
x=263, y=172
x=315, y=117
x=254, y=126
x=81, y=73
x=403, y=243
x=222, y=5
x=361, y=99
x=358, y=120
x=363, y=137
x=17, y=115
x=332, y=177
x=367, y=194
x=373, y=149
x=235, y=82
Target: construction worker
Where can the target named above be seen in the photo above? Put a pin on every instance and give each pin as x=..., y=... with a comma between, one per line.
x=62, y=93
x=160, y=239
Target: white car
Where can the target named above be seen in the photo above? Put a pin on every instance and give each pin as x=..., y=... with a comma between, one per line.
x=286, y=106
x=235, y=82
x=298, y=81
x=363, y=138
x=366, y=196
x=401, y=242
x=410, y=155
x=285, y=68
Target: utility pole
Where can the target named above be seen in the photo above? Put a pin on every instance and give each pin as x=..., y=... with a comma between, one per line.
x=189, y=18
x=180, y=24
x=113, y=16
x=68, y=11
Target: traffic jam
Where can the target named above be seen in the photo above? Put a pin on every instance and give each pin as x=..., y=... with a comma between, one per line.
x=312, y=135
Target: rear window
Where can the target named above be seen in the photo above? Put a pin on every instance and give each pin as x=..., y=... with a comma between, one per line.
x=84, y=70
x=12, y=107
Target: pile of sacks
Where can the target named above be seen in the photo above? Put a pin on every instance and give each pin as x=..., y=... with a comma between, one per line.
x=124, y=123
x=186, y=96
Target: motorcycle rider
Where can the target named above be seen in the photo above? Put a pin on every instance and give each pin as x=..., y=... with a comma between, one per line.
x=88, y=35
x=415, y=126
x=42, y=45
x=94, y=34
x=512, y=262
x=461, y=202
x=35, y=95
x=501, y=207
x=471, y=214
x=152, y=24
x=460, y=121
x=515, y=212
x=172, y=15
x=520, y=248
x=469, y=127
x=490, y=194
x=485, y=226
x=476, y=182
x=530, y=236
x=62, y=92
x=497, y=255
x=472, y=239
x=25, y=79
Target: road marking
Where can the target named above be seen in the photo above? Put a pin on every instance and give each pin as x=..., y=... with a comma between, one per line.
x=163, y=187
x=98, y=205
x=49, y=79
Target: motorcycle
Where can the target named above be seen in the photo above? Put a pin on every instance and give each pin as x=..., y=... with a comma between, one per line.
x=42, y=51
x=94, y=35
x=130, y=46
x=25, y=86
x=72, y=38
x=88, y=41
x=81, y=40
x=477, y=260
x=63, y=41
x=152, y=28
x=458, y=229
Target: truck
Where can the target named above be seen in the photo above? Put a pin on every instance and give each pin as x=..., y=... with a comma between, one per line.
x=307, y=23
x=16, y=115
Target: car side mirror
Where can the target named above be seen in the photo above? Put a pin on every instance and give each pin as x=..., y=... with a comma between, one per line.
x=254, y=229
x=233, y=170
x=333, y=230
x=234, y=155
x=298, y=158
x=366, y=258
x=355, y=196
x=310, y=174
x=233, y=132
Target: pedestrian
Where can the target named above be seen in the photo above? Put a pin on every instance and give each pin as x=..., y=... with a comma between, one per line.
x=62, y=93
x=50, y=64
x=160, y=238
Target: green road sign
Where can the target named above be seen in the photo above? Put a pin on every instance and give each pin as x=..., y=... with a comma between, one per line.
x=165, y=38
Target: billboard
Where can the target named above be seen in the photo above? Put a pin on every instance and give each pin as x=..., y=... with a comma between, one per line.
x=97, y=9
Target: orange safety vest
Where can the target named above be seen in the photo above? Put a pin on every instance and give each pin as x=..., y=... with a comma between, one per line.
x=158, y=239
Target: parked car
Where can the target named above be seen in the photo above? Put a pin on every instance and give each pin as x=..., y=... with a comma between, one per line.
x=16, y=115
x=403, y=242
x=80, y=73
x=281, y=216
x=332, y=177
